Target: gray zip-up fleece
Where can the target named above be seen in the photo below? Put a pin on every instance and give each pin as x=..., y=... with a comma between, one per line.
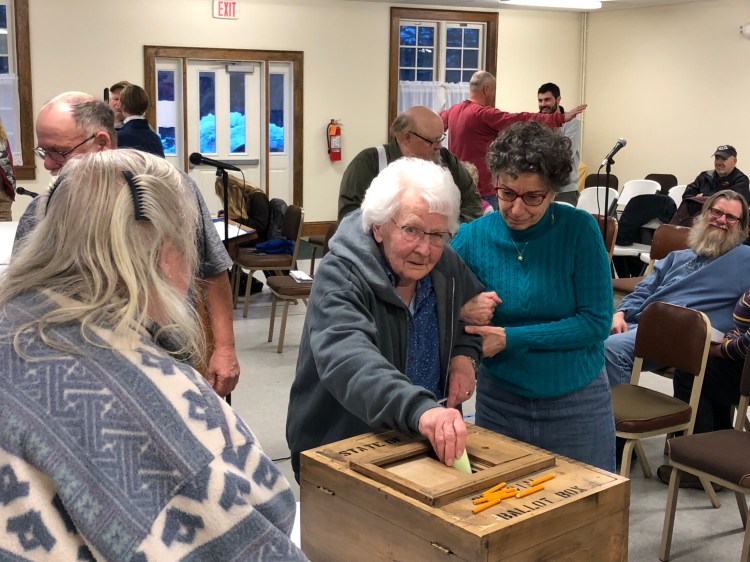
x=350, y=370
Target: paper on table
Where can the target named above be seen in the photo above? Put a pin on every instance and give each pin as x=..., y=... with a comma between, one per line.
x=234, y=230
x=716, y=336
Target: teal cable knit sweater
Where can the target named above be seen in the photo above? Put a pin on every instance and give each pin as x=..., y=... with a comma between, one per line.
x=557, y=301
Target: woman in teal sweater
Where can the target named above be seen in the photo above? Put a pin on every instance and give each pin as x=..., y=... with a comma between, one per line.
x=542, y=380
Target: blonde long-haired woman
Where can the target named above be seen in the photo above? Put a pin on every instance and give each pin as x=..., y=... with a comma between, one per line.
x=111, y=446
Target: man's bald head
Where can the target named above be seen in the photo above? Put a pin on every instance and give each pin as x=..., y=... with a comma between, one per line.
x=74, y=120
x=419, y=133
x=482, y=88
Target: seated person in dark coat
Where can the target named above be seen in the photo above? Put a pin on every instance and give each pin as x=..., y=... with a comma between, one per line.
x=135, y=131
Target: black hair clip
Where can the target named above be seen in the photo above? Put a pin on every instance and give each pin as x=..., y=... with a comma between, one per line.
x=137, y=211
x=52, y=192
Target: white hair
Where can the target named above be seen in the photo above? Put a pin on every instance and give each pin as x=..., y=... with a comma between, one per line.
x=434, y=185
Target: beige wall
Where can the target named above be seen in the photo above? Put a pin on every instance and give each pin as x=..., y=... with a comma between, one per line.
x=90, y=44
x=673, y=82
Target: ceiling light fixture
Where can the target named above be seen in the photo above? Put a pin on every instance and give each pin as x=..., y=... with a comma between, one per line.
x=565, y=4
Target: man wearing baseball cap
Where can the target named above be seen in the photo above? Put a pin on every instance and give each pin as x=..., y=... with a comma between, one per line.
x=725, y=175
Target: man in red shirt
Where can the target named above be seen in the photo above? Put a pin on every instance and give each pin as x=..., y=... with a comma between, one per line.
x=474, y=123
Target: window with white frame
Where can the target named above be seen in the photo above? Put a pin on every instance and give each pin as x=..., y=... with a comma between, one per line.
x=435, y=52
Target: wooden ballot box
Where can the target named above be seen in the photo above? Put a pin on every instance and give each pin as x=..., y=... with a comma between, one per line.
x=385, y=497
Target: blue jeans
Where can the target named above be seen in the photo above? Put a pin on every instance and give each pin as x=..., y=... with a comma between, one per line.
x=618, y=355
x=579, y=425
x=492, y=200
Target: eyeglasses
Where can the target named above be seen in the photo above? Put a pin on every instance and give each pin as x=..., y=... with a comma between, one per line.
x=58, y=156
x=412, y=234
x=428, y=141
x=717, y=214
x=532, y=198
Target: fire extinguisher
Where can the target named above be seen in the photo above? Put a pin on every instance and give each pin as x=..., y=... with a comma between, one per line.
x=333, y=135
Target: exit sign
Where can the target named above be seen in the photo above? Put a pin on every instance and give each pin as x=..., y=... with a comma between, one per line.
x=225, y=9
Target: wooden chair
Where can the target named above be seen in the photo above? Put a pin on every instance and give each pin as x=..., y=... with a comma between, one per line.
x=672, y=336
x=666, y=181
x=283, y=287
x=250, y=259
x=609, y=243
x=719, y=456
x=667, y=239
x=594, y=180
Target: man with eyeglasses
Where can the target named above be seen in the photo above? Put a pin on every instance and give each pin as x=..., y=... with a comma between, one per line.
x=418, y=133
x=74, y=123
x=475, y=122
x=710, y=277
x=383, y=345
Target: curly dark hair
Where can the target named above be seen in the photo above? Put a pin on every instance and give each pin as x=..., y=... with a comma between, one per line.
x=532, y=148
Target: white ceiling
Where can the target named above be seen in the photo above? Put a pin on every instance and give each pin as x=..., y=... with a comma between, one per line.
x=496, y=4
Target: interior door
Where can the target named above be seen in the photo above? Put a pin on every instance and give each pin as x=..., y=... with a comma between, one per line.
x=226, y=121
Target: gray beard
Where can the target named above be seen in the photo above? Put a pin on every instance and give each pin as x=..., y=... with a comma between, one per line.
x=712, y=243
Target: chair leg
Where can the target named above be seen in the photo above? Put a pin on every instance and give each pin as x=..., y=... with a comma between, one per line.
x=312, y=260
x=669, y=513
x=273, y=317
x=710, y=492
x=627, y=454
x=746, y=546
x=742, y=505
x=642, y=460
x=283, y=327
x=247, y=292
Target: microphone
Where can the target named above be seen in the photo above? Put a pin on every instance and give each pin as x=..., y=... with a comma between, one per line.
x=23, y=191
x=196, y=159
x=615, y=149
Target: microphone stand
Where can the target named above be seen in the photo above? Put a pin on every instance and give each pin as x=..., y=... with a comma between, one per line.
x=225, y=183
x=608, y=172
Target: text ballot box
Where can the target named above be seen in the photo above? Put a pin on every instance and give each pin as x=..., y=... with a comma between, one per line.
x=384, y=496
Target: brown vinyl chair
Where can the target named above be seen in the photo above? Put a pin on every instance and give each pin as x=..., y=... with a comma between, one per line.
x=673, y=336
x=284, y=287
x=250, y=259
x=596, y=180
x=609, y=243
x=317, y=241
x=667, y=238
x=719, y=456
x=666, y=181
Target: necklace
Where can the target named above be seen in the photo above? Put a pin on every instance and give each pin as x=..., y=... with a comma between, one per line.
x=521, y=251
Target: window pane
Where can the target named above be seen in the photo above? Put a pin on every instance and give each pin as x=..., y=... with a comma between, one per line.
x=3, y=16
x=408, y=35
x=406, y=74
x=407, y=57
x=276, y=120
x=453, y=58
x=165, y=86
x=471, y=58
x=453, y=37
x=166, y=111
x=453, y=76
x=426, y=36
x=424, y=75
x=207, y=97
x=3, y=43
x=471, y=38
x=236, y=112
x=467, y=75
x=425, y=58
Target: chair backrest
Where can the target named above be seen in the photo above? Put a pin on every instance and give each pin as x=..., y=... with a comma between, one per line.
x=592, y=200
x=676, y=194
x=634, y=188
x=673, y=336
x=740, y=421
x=329, y=234
x=609, y=243
x=291, y=228
x=667, y=239
x=595, y=180
x=666, y=181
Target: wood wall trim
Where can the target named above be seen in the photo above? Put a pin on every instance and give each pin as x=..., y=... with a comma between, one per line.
x=26, y=112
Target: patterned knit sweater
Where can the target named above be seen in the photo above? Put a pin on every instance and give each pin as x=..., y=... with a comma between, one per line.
x=557, y=300
x=117, y=454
